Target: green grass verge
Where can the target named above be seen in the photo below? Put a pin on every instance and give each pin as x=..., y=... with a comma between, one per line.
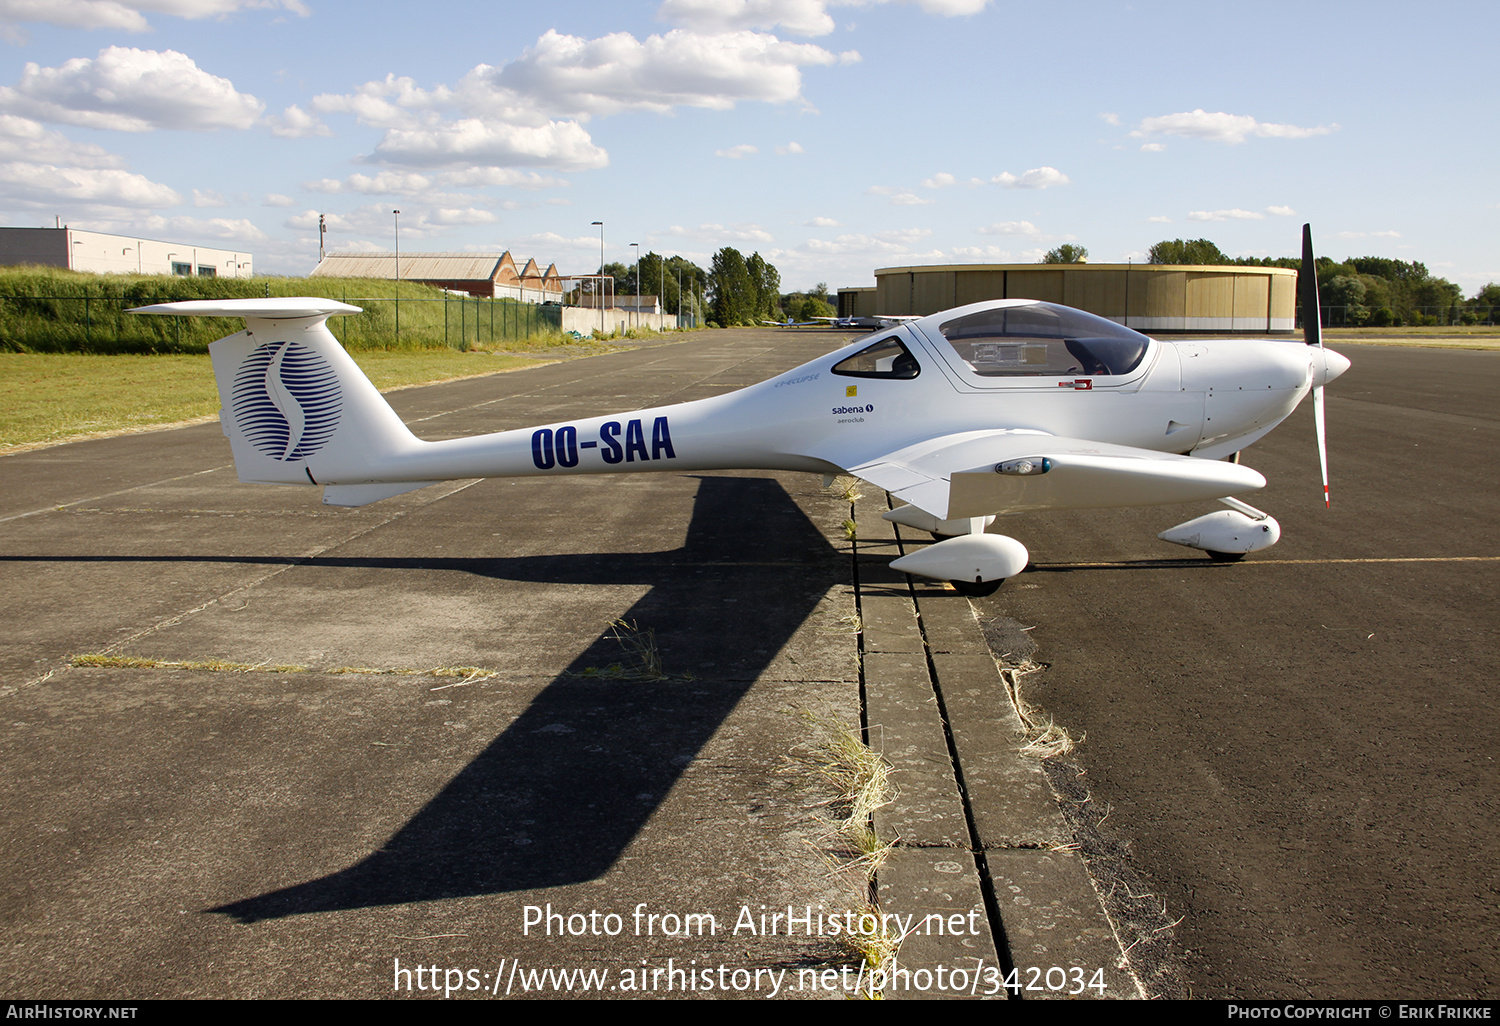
x=47, y=310
x=1462, y=331
x=53, y=397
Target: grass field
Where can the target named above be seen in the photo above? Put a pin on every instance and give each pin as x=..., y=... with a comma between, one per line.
x=1478, y=336
x=46, y=398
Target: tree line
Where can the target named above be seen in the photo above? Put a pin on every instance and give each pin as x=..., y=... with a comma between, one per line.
x=677, y=280
x=1367, y=291
x=734, y=290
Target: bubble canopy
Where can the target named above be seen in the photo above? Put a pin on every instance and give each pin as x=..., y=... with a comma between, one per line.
x=1041, y=339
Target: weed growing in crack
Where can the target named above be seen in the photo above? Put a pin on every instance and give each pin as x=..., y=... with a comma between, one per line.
x=643, y=659
x=1044, y=740
x=861, y=782
x=876, y=946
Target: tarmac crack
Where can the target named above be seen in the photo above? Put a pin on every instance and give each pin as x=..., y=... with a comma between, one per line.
x=110, y=495
x=291, y=563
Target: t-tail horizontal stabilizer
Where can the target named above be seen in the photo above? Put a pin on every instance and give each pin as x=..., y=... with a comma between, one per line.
x=295, y=407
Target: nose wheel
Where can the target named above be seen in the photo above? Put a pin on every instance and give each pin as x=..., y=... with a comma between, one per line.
x=977, y=589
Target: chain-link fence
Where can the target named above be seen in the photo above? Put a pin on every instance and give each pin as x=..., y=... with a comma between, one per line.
x=82, y=323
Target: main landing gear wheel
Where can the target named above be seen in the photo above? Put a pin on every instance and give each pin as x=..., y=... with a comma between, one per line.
x=978, y=589
x=1225, y=557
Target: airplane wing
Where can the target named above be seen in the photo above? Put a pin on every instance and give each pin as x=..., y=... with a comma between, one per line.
x=872, y=321
x=977, y=473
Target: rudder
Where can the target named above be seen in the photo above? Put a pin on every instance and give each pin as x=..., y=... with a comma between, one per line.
x=295, y=407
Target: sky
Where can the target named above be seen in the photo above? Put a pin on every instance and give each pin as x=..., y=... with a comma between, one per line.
x=831, y=136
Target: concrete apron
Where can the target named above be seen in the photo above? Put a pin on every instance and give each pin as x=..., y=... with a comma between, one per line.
x=566, y=822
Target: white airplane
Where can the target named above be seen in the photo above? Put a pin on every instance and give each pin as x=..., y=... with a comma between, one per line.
x=874, y=322
x=1001, y=407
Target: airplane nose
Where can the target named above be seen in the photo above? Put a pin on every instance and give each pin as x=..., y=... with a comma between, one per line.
x=1329, y=367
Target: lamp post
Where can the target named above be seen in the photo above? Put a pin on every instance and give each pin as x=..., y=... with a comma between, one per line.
x=637, y=247
x=600, y=226
x=397, y=214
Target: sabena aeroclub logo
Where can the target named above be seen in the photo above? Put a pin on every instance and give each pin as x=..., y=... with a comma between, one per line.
x=286, y=400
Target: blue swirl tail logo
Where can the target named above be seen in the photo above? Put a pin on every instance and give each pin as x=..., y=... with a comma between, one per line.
x=286, y=400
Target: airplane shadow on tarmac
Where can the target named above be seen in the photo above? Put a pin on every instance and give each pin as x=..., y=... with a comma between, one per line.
x=557, y=797
x=560, y=794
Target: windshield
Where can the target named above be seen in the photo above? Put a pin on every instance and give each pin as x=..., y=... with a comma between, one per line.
x=887, y=358
x=1040, y=339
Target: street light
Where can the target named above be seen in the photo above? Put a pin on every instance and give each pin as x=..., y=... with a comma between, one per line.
x=398, y=247
x=397, y=214
x=637, y=246
x=600, y=225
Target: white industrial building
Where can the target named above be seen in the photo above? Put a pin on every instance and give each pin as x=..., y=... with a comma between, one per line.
x=102, y=253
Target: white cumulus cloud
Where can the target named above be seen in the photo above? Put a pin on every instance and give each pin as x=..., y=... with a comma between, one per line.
x=882, y=244
x=509, y=177
x=296, y=123
x=529, y=112
x=40, y=167
x=1235, y=214
x=51, y=187
x=467, y=215
x=557, y=144
x=130, y=90
x=1036, y=178
x=987, y=253
x=120, y=15
x=391, y=102
x=1222, y=127
x=798, y=17
x=375, y=222
x=227, y=228
x=383, y=183
x=581, y=77
x=27, y=140
x=717, y=234
x=739, y=152
x=1010, y=228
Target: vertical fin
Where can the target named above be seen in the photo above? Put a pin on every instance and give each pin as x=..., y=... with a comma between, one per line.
x=295, y=407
